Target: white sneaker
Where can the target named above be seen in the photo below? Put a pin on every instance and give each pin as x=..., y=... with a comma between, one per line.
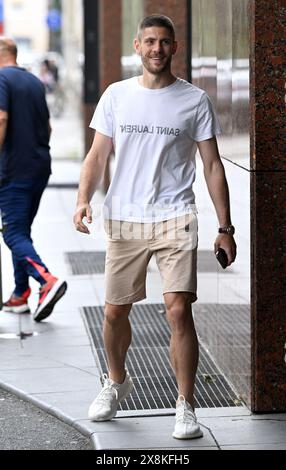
x=104, y=407
x=186, y=426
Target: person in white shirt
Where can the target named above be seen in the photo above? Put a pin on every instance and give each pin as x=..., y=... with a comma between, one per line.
x=154, y=123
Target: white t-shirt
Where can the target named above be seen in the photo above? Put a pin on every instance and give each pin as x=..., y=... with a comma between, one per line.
x=154, y=134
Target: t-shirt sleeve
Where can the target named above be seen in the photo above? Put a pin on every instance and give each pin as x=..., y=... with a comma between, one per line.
x=4, y=94
x=206, y=123
x=102, y=120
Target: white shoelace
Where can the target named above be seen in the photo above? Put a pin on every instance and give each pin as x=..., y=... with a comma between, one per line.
x=183, y=413
x=108, y=391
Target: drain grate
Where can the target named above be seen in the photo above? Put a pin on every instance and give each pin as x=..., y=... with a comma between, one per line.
x=148, y=362
x=86, y=262
x=93, y=262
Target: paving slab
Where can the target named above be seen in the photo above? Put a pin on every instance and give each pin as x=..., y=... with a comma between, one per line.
x=148, y=433
x=263, y=447
x=248, y=430
x=74, y=405
x=56, y=379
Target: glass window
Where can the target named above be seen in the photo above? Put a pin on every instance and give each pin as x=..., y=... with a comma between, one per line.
x=132, y=13
x=220, y=65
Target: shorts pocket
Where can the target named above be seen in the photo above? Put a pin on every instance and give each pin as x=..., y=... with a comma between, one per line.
x=187, y=232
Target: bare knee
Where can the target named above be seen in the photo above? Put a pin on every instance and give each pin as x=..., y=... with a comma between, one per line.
x=179, y=314
x=115, y=314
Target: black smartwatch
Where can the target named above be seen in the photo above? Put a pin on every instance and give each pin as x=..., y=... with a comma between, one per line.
x=230, y=230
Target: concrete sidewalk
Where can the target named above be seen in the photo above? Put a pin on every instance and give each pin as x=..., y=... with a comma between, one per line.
x=51, y=364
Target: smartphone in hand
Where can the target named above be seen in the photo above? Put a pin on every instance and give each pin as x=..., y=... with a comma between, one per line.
x=221, y=256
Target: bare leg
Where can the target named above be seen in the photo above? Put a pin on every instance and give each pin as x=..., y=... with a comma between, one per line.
x=184, y=349
x=117, y=338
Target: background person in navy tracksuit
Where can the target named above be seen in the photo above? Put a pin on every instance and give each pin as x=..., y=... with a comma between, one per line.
x=25, y=167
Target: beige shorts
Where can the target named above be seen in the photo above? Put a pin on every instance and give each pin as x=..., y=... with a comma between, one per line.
x=130, y=246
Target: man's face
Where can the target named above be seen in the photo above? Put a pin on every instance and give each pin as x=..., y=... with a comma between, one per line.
x=156, y=49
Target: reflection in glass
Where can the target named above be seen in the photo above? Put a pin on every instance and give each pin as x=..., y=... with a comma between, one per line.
x=220, y=66
x=132, y=13
x=220, y=60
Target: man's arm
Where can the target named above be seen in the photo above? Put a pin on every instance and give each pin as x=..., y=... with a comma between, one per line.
x=218, y=190
x=3, y=126
x=91, y=174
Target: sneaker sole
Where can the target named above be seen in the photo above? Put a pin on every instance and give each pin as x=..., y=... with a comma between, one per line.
x=109, y=418
x=19, y=309
x=195, y=435
x=52, y=298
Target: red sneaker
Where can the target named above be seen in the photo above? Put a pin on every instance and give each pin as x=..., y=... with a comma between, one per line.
x=18, y=304
x=50, y=293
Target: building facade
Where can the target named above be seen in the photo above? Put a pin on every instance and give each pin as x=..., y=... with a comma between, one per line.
x=18, y=23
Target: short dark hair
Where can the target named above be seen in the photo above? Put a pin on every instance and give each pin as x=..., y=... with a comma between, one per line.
x=156, y=20
x=8, y=46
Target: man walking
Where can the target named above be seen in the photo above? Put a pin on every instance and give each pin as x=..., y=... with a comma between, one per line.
x=25, y=167
x=155, y=123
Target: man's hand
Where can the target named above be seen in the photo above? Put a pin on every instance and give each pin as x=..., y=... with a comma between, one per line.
x=228, y=244
x=82, y=211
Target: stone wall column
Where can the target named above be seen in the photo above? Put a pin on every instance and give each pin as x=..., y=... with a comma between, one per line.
x=268, y=203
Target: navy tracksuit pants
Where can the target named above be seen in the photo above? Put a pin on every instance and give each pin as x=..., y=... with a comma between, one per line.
x=19, y=203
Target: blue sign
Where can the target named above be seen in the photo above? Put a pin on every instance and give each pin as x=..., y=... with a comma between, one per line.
x=1, y=12
x=54, y=20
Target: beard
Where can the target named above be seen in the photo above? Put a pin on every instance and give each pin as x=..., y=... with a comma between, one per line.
x=156, y=69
